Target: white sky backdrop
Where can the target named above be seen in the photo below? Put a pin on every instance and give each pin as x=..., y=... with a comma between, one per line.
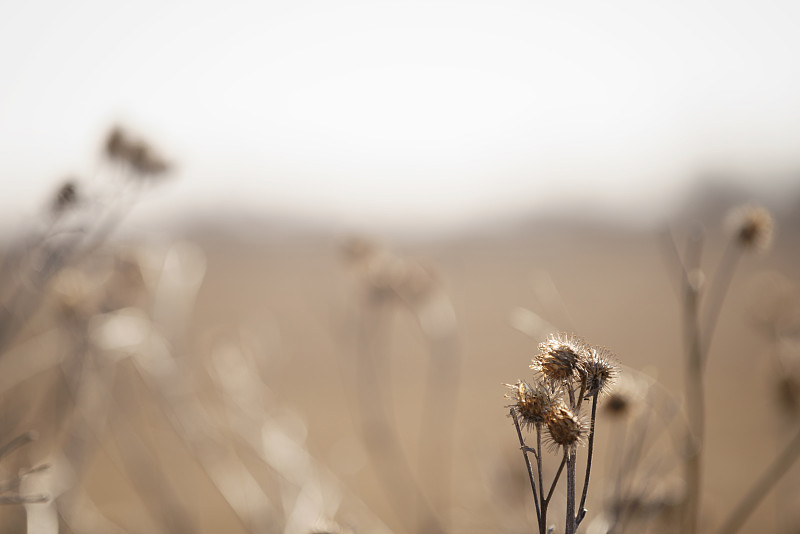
x=403, y=113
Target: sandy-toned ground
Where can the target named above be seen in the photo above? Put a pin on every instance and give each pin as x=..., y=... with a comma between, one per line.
x=614, y=288
x=293, y=301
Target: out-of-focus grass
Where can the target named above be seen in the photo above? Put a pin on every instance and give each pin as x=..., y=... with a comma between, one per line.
x=212, y=384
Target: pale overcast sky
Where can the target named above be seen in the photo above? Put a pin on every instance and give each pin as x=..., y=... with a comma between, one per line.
x=402, y=112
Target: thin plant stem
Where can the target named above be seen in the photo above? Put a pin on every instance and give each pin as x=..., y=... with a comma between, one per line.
x=630, y=460
x=717, y=292
x=17, y=442
x=695, y=394
x=437, y=421
x=695, y=397
x=23, y=499
x=543, y=520
x=580, y=396
x=615, y=460
x=759, y=490
x=546, y=502
x=581, y=509
x=527, y=463
x=672, y=259
x=569, y=527
x=381, y=437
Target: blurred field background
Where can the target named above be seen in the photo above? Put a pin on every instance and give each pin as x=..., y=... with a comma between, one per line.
x=281, y=303
x=287, y=295
x=611, y=285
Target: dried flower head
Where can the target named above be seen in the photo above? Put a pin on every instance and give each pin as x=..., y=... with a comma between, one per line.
x=565, y=428
x=559, y=357
x=532, y=403
x=627, y=395
x=145, y=161
x=752, y=227
x=617, y=404
x=138, y=155
x=598, y=368
x=66, y=196
x=116, y=145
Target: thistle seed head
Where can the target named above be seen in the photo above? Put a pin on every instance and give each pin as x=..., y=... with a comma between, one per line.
x=138, y=155
x=752, y=227
x=564, y=427
x=116, y=145
x=145, y=161
x=628, y=395
x=560, y=357
x=599, y=369
x=66, y=196
x=532, y=403
x=617, y=404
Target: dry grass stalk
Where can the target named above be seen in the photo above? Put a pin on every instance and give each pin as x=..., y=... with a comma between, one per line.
x=387, y=280
x=751, y=228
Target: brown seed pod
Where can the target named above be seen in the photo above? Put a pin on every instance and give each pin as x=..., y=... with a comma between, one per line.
x=752, y=227
x=565, y=428
x=559, y=358
x=532, y=403
x=599, y=368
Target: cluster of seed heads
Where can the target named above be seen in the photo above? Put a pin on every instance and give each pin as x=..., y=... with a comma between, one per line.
x=140, y=161
x=135, y=154
x=568, y=370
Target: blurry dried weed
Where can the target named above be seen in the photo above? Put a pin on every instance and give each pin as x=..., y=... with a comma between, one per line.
x=48, y=267
x=93, y=355
x=129, y=390
x=310, y=496
x=386, y=283
x=643, y=493
x=80, y=220
x=66, y=197
x=11, y=490
x=751, y=228
x=568, y=371
x=774, y=306
x=135, y=155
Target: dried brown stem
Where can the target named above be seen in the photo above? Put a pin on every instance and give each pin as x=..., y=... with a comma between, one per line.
x=717, y=292
x=569, y=527
x=581, y=509
x=527, y=463
x=546, y=502
x=695, y=394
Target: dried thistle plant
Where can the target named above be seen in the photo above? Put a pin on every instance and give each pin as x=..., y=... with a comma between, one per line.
x=79, y=221
x=49, y=274
x=568, y=371
x=135, y=155
x=389, y=283
x=751, y=228
x=643, y=493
